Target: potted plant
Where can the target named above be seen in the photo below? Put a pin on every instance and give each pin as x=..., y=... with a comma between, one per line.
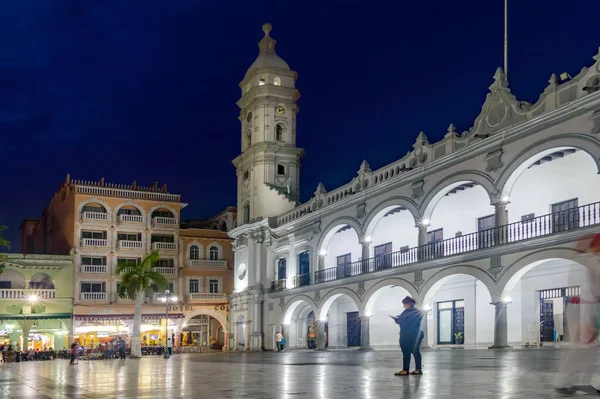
x=459, y=338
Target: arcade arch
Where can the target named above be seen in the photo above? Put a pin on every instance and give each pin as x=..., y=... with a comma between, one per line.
x=298, y=319
x=391, y=229
x=341, y=310
x=457, y=305
x=338, y=248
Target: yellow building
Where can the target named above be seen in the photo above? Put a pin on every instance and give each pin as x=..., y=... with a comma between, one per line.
x=102, y=224
x=36, y=296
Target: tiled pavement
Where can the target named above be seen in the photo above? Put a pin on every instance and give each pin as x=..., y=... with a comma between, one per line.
x=303, y=374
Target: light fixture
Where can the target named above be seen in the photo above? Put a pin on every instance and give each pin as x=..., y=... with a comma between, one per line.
x=506, y=299
x=323, y=252
x=368, y=239
x=163, y=299
x=506, y=199
x=173, y=299
x=323, y=318
x=426, y=308
x=368, y=314
x=33, y=298
x=426, y=222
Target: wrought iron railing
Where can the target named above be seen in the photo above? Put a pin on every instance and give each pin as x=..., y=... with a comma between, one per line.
x=301, y=280
x=278, y=285
x=553, y=223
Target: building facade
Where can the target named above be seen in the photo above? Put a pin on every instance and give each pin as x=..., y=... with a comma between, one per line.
x=484, y=228
x=102, y=224
x=36, y=296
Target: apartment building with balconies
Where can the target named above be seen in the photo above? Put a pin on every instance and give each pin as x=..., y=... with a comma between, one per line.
x=102, y=224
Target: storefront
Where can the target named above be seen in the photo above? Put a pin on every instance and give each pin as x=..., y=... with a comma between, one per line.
x=43, y=331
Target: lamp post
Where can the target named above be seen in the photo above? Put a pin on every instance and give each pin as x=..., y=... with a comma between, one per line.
x=167, y=297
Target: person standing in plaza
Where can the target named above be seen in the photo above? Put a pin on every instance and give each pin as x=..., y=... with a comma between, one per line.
x=410, y=336
x=169, y=346
x=582, y=314
x=73, y=353
x=278, y=339
x=121, y=345
x=160, y=348
x=18, y=353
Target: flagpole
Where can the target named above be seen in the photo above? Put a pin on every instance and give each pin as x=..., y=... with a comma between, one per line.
x=506, y=38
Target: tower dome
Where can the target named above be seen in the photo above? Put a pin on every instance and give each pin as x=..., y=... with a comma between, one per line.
x=267, y=57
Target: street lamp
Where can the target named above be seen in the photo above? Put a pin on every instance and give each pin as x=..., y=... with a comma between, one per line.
x=167, y=297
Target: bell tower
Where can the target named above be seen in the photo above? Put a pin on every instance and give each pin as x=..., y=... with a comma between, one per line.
x=268, y=168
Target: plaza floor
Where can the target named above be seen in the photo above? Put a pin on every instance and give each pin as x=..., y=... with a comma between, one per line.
x=292, y=374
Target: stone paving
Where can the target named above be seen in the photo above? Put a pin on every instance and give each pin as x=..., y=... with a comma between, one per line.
x=292, y=374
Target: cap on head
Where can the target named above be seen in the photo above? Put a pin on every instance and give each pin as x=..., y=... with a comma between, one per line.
x=408, y=300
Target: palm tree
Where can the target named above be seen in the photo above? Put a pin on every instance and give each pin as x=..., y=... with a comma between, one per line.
x=136, y=281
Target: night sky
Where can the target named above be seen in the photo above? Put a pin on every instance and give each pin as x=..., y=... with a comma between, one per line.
x=145, y=90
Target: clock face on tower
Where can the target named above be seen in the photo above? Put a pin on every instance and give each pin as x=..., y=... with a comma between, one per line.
x=280, y=110
x=249, y=117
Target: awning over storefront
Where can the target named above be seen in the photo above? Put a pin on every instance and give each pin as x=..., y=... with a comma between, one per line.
x=36, y=316
x=89, y=317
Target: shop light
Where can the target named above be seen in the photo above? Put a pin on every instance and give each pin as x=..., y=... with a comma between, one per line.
x=426, y=222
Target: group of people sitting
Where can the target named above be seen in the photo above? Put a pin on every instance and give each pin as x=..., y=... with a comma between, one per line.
x=14, y=354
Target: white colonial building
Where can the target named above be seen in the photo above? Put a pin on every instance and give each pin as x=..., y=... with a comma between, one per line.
x=483, y=228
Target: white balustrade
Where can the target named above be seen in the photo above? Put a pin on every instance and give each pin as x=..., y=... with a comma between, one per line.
x=116, y=192
x=166, y=270
x=208, y=296
x=131, y=244
x=131, y=218
x=93, y=216
x=161, y=221
x=93, y=296
x=94, y=242
x=25, y=294
x=164, y=245
x=214, y=264
x=94, y=269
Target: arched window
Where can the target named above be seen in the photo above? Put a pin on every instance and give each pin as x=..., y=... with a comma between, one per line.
x=277, y=81
x=261, y=82
x=279, y=133
x=249, y=139
x=224, y=226
x=213, y=253
x=194, y=252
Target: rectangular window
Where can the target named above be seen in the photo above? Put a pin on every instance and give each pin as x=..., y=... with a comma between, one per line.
x=129, y=237
x=280, y=170
x=129, y=261
x=92, y=287
x=383, y=256
x=213, y=286
x=246, y=175
x=89, y=208
x=93, y=261
x=162, y=238
x=99, y=235
x=129, y=211
x=194, y=286
x=435, y=235
x=565, y=215
x=451, y=322
x=435, y=247
x=165, y=263
x=155, y=288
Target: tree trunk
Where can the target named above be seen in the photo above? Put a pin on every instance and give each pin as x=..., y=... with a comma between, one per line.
x=136, y=348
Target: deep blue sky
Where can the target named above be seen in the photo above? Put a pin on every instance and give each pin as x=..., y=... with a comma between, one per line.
x=146, y=89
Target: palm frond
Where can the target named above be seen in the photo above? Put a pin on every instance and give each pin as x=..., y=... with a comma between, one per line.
x=140, y=277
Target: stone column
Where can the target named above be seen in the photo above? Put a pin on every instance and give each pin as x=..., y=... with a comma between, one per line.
x=321, y=335
x=500, y=326
x=365, y=333
x=424, y=328
x=366, y=254
x=68, y=324
x=256, y=339
x=225, y=341
x=500, y=219
x=422, y=252
x=26, y=327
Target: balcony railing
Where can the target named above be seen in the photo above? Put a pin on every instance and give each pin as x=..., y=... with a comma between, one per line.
x=164, y=222
x=94, y=242
x=94, y=269
x=93, y=296
x=171, y=271
x=130, y=244
x=157, y=297
x=93, y=216
x=25, y=294
x=207, y=296
x=541, y=226
x=278, y=285
x=164, y=245
x=123, y=218
x=215, y=264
